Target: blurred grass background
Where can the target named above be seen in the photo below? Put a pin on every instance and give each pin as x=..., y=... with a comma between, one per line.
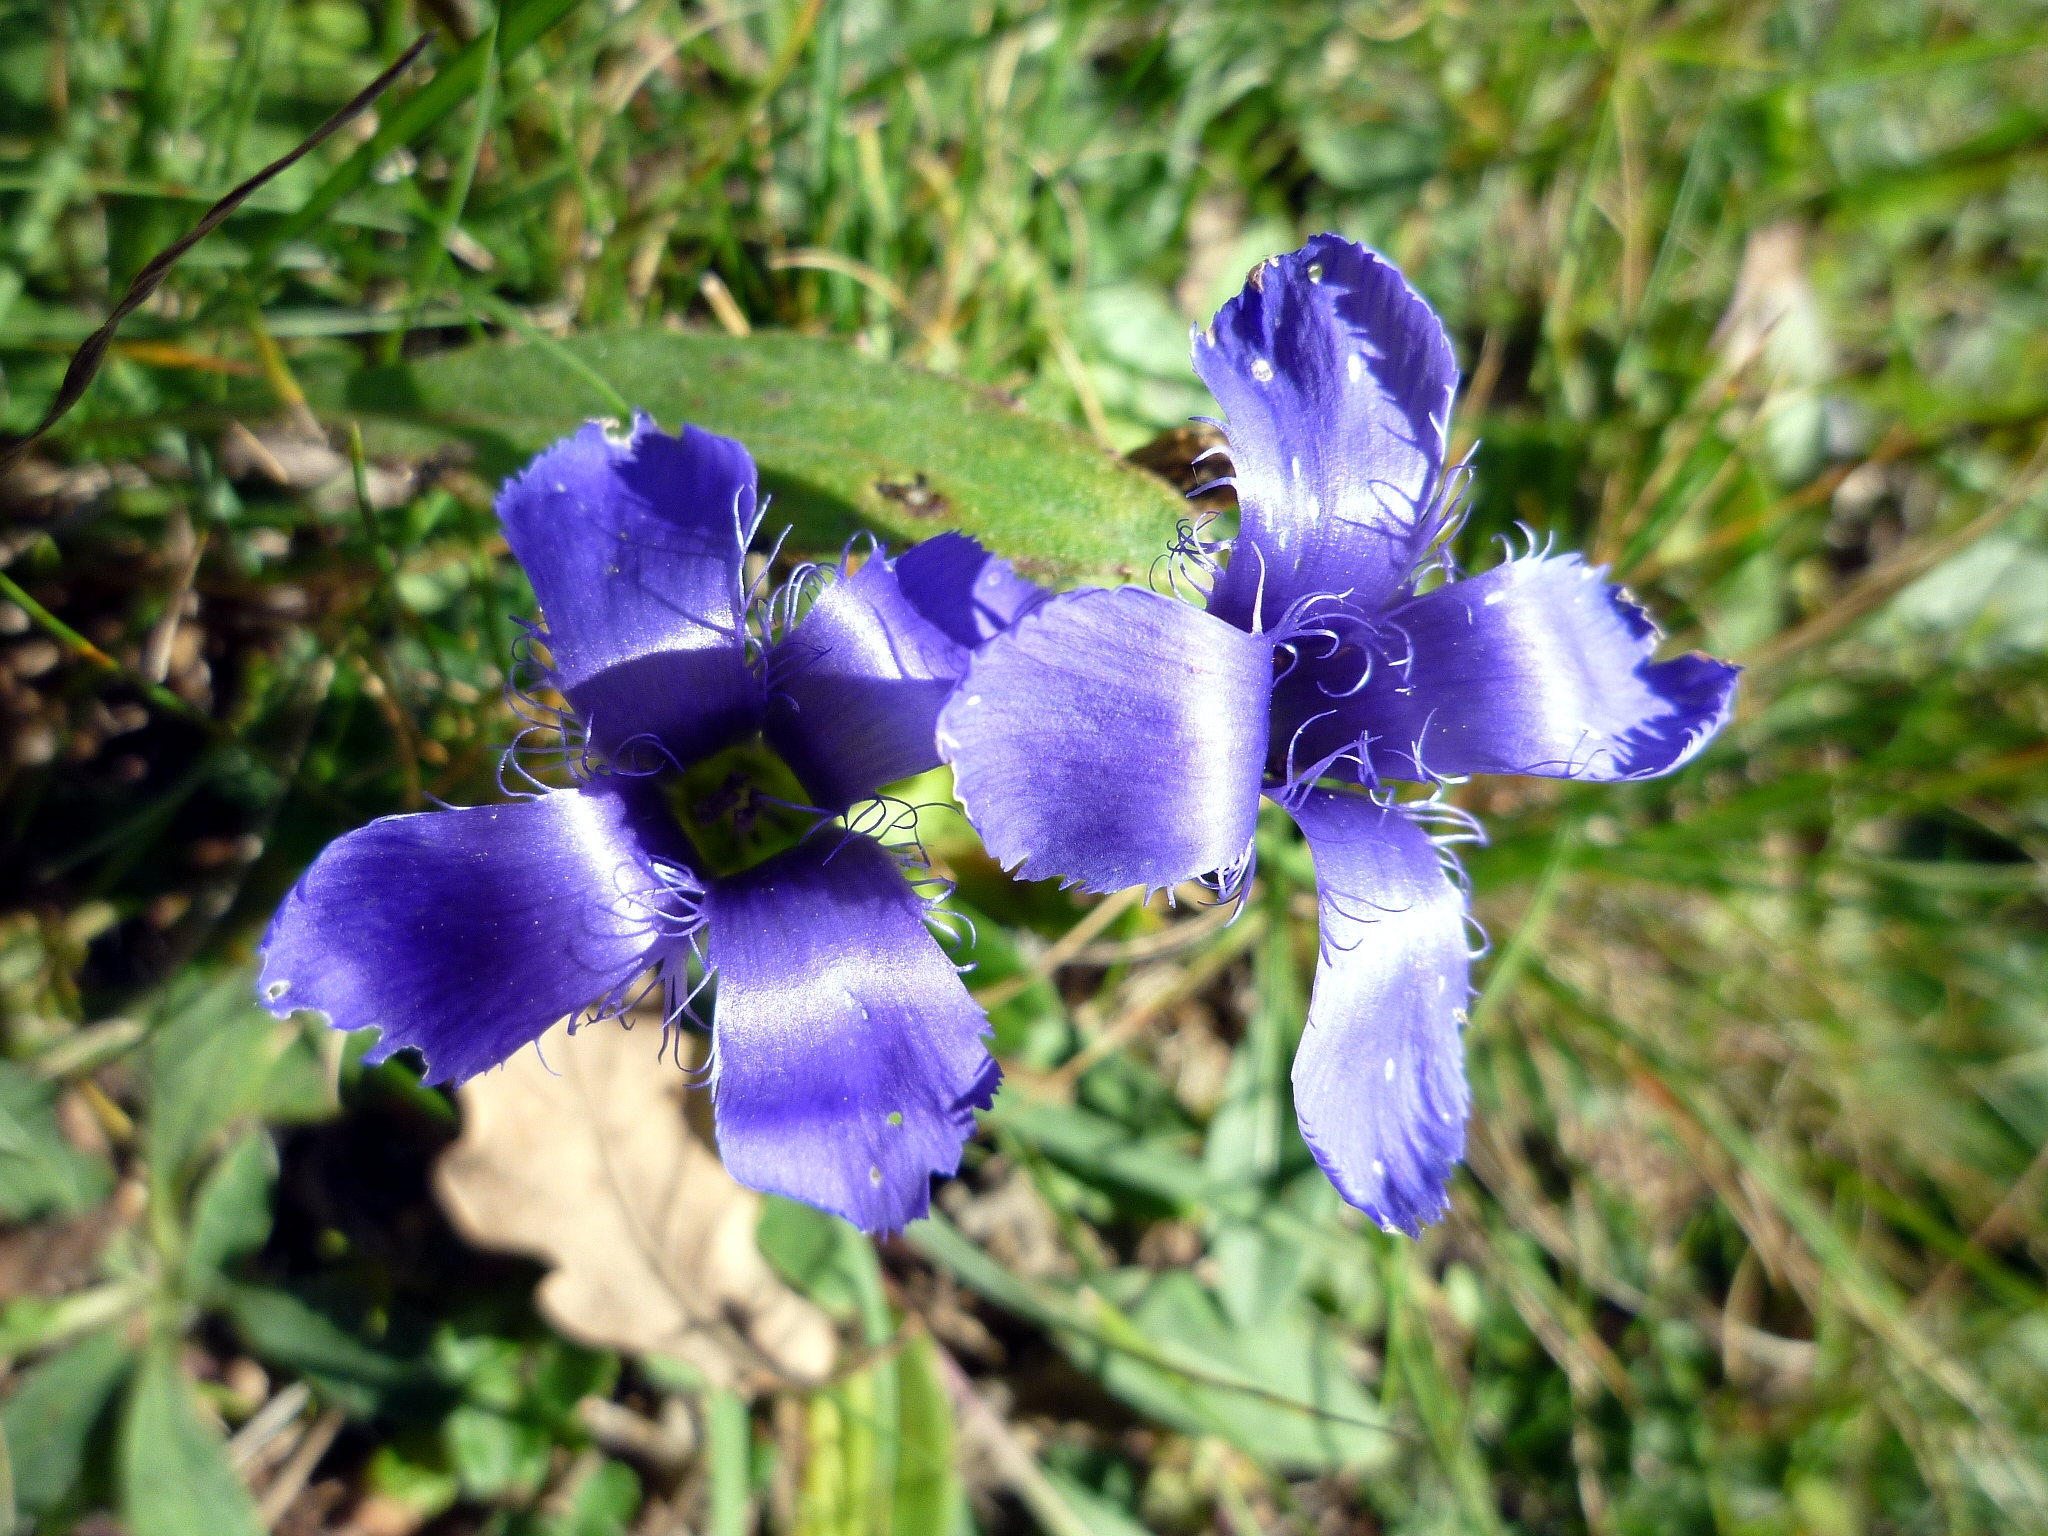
x=1750, y=302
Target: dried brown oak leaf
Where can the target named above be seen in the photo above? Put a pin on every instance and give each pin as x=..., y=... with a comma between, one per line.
x=588, y=1162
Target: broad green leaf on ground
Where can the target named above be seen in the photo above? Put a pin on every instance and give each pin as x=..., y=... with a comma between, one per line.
x=1292, y=1354
x=175, y=1477
x=1282, y=1392
x=844, y=442
x=51, y=1417
x=40, y=1172
x=584, y=1160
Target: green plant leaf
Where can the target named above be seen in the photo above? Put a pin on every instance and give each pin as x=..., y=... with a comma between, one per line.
x=1100, y=1516
x=844, y=442
x=601, y=1503
x=32, y=1323
x=280, y=1328
x=51, y=1417
x=728, y=1438
x=813, y=1251
x=412, y=1472
x=927, y=1479
x=1292, y=1353
x=231, y=1213
x=852, y=1437
x=1254, y=1127
x=496, y=1456
x=847, y=1490
x=41, y=1173
x=208, y=1061
x=175, y=1477
x=1281, y=1392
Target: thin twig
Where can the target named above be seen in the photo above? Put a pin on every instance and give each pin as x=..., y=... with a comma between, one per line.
x=723, y=305
x=85, y=363
x=1069, y=944
x=1170, y=940
x=266, y=1424
x=293, y=1476
x=1900, y=571
x=878, y=283
x=2009, y=1213
x=1120, y=1031
x=86, y=651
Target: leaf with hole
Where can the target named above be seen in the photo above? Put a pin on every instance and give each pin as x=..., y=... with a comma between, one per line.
x=844, y=442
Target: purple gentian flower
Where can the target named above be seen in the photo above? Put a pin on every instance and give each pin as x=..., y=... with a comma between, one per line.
x=1120, y=738
x=847, y=1057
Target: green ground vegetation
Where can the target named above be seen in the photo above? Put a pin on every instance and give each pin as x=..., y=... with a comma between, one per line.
x=1752, y=303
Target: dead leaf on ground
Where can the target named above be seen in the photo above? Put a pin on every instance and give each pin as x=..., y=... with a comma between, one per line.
x=588, y=1163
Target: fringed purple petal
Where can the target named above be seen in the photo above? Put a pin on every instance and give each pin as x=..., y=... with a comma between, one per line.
x=1336, y=380
x=465, y=934
x=969, y=593
x=855, y=689
x=1537, y=666
x=850, y=1059
x=1379, y=1078
x=1112, y=739
x=635, y=550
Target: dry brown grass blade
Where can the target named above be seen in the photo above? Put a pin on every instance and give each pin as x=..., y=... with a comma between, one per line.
x=1900, y=571
x=1069, y=944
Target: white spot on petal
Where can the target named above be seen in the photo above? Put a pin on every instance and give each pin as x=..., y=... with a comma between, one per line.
x=1390, y=1069
x=1379, y=1169
x=973, y=698
x=1354, y=365
x=1315, y=271
x=1262, y=370
x=875, y=1177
